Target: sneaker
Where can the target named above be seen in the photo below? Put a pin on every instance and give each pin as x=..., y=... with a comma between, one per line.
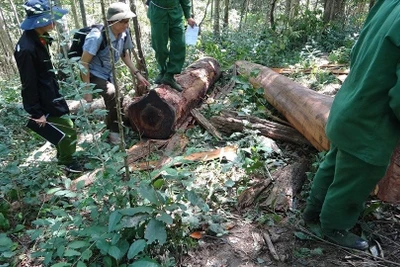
x=168, y=80
x=159, y=78
x=74, y=167
x=346, y=239
x=114, y=138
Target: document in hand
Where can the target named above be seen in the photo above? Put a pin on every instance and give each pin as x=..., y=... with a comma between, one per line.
x=49, y=132
x=191, y=35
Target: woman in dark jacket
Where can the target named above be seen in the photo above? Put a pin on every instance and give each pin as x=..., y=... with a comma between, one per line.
x=40, y=89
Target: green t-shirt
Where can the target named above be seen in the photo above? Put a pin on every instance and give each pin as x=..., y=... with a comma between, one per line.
x=365, y=114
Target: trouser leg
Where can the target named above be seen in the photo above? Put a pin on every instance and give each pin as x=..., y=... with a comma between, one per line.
x=353, y=181
x=177, y=47
x=159, y=42
x=108, y=94
x=321, y=182
x=67, y=147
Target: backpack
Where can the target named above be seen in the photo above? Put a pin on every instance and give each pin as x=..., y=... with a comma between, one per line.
x=76, y=48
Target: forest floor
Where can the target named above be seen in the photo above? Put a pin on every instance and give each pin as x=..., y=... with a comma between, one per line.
x=285, y=241
x=253, y=241
x=257, y=236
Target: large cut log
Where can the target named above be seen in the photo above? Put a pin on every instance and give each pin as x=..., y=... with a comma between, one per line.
x=304, y=108
x=308, y=112
x=163, y=110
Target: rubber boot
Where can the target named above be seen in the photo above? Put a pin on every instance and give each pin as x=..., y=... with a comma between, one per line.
x=345, y=239
x=170, y=80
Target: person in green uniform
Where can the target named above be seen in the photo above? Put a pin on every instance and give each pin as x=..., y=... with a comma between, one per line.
x=166, y=19
x=363, y=128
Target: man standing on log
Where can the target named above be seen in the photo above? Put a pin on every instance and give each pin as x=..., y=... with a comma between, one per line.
x=363, y=128
x=98, y=64
x=40, y=90
x=167, y=24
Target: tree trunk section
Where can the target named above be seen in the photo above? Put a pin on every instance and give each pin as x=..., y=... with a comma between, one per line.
x=163, y=109
x=388, y=188
x=226, y=14
x=308, y=112
x=334, y=10
x=276, y=131
x=304, y=108
x=216, y=17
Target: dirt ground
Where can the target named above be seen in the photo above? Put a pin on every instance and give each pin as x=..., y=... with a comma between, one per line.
x=246, y=246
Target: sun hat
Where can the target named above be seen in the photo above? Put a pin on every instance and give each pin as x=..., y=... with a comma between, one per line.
x=38, y=14
x=119, y=11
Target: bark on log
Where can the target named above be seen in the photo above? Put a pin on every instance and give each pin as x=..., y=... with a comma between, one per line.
x=304, y=108
x=308, y=112
x=149, y=115
x=274, y=130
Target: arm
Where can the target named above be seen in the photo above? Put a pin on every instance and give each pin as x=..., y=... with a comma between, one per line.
x=186, y=7
x=126, y=58
x=85, y=75
x=30, y=91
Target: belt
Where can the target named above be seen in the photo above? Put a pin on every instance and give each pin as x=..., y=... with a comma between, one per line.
x=166, y=8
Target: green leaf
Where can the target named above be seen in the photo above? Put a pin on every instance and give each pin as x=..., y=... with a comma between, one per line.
x=155, y=230
x=114, y=219
x=301, y=236
x=81, y=264
x=61, y=264
x=114, y=252
x=86, y=255
x=78, y=244
x=133, y=211
x=71, y=253
x=136, y=247
x=165, y=218
x=149, y=193
x=53, y=190
x=145, y=263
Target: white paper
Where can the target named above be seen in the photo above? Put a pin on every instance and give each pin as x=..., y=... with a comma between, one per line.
x=191, y=35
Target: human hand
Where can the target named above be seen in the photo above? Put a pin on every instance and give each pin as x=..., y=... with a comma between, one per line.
x=41, y=121
x=88, y=97
x=191, y=22
x=143, y=80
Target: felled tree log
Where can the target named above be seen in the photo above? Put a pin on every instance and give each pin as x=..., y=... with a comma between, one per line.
x=277, y=131
x=304, y=108
x=277, y=192
x=308, y=112
x=388, y=188
x=159, y=113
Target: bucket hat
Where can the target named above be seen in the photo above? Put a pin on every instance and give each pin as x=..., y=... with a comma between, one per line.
x=38, y=14
x=119, y=11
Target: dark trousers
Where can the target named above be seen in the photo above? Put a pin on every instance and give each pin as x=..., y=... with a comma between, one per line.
x=108, y=94
x=340, y=188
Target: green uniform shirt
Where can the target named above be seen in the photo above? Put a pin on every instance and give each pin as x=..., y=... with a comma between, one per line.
x=170, y=4
x=365, y=114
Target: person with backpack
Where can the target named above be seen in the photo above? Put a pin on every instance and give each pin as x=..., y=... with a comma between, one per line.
x=98, y=64
x=40, y=89
x=167, y=26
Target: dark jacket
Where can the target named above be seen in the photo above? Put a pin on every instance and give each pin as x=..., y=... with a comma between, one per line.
x=40, y=89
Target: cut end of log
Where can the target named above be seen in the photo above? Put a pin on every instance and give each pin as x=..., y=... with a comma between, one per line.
x=152, y=117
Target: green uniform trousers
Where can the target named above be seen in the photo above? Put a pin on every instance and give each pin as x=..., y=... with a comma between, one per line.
x=340, y=188
x=167, y=25
x=67, y=147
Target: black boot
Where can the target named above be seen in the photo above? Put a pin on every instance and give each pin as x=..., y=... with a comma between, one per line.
x=345, y=239
x=159, y=78
x=170, y=80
